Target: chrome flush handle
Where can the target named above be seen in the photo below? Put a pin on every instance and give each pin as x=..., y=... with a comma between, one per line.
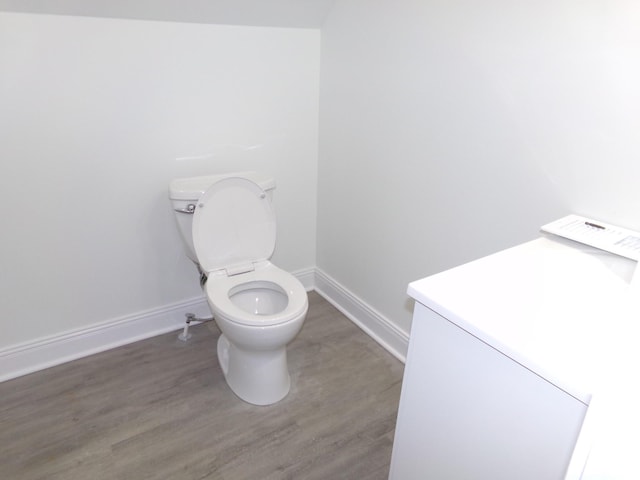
x=189, y=210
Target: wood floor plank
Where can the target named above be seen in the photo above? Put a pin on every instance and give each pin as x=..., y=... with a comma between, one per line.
x=160, y=409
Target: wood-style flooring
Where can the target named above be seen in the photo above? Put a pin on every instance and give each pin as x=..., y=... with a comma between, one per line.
x=160, y=409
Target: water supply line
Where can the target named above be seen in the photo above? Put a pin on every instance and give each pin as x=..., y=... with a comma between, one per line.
x=191, y=317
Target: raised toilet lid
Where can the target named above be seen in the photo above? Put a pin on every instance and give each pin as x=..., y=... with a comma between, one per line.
x=233, y=225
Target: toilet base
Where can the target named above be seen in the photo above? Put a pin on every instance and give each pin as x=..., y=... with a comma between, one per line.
x=257, y=377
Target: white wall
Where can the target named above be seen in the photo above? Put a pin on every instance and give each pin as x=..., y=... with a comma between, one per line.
x=449, y=130
x=453, y=129
x=96, y=117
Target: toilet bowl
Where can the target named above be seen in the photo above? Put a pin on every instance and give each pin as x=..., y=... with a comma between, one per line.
x=258, y=313
x=258, y=307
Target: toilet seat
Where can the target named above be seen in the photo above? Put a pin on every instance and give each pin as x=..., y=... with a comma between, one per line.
x=234, y=234
x=218, y=290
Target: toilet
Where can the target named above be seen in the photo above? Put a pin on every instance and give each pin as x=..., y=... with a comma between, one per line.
x=228, y=227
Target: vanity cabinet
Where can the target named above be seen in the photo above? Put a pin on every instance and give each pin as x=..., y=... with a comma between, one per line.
x=505, y=357
x=467, y=411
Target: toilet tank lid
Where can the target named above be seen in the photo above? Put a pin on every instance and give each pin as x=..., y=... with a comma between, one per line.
x=192, y=188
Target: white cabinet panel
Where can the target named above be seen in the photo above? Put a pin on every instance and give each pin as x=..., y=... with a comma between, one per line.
x=468, y=411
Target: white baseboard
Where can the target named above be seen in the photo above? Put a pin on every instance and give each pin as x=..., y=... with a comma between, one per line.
x=307, y=277
x=30, y=357
x=372, y=322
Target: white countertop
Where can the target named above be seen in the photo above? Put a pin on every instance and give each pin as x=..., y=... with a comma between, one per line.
x=568, y=313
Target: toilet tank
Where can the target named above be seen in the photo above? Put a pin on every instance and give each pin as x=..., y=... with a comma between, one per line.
x=184, y=194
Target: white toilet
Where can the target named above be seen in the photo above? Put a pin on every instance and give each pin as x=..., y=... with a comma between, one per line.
x=229, y=229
